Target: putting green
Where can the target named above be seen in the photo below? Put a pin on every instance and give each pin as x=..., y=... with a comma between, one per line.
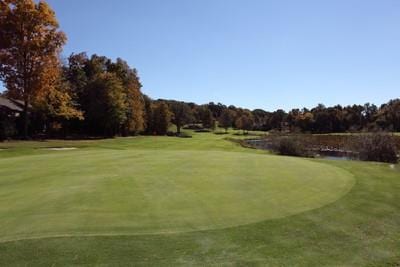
x=104, y=191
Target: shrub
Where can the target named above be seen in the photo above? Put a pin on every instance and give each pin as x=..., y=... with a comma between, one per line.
x=377, y=147
x=289, y=146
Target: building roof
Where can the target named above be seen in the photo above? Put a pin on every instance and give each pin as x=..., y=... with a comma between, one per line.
x=5, y=102
x=19, y=103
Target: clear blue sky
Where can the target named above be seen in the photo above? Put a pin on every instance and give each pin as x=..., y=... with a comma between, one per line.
x=250, y=53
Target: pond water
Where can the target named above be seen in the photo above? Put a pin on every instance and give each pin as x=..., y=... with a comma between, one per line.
x=335, y=154
x=335, y=157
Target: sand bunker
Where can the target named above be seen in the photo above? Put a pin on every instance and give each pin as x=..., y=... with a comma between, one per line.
x=60, y=148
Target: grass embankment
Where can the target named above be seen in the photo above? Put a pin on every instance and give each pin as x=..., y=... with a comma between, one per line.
x=203, y=200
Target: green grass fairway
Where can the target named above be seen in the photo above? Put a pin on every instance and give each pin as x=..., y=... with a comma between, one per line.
x=171, y=201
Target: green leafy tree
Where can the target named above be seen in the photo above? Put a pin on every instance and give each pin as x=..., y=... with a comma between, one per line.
x=181, y=114
x=134, y=98
x=148, y=115
x=105, y=106
x=161, y=118
x=75, y=74
x=81, y=71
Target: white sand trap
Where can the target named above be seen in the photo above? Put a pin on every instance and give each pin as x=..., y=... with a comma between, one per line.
x=392, y=166
x=60, y=148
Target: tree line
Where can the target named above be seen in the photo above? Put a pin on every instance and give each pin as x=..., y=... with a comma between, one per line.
x=96, y=96
x=320, y=119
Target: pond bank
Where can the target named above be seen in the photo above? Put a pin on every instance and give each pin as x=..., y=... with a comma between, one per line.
x=321, y=152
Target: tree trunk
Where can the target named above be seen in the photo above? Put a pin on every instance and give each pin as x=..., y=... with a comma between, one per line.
x=25, y=118
x=178, y=128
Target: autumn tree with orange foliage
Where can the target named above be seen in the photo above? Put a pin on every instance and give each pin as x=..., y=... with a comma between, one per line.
x=30, y=43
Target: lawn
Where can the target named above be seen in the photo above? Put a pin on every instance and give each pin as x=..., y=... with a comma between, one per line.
x=192, y=201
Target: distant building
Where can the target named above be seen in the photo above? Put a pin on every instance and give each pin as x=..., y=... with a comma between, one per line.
x=11, y=107
x=10, y=112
